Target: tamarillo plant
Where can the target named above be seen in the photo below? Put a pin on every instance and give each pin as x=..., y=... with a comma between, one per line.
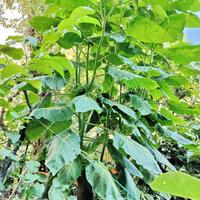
x=92, y=101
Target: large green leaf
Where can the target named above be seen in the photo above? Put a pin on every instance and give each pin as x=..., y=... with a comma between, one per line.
x=182, y=53
x=42, y=23
x=46, y=65
x=102, y=182
x=65, y=179
x=84, y=103
x=11, y=70
x=62, y=149
x=167, y=91
x=132, y=80
x=125, y=162
x=37, y=129
x=178, y=184
x=187, y=5
x=140, y=104
x=139, y=153
x=146, y=30
x=175, y=25
x=15, y=53
x=53, y=114
x=183, y=108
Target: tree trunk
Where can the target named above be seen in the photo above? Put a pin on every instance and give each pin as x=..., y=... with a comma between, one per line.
x=84, y=188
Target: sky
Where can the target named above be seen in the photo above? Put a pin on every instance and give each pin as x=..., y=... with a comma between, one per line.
x=192, y=35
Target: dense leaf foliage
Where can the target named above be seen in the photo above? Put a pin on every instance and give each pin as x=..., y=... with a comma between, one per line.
x=101, y=101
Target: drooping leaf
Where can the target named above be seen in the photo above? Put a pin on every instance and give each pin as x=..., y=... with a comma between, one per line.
x=183, y=108
x=125, y=162
x=178, y=184
x=119, y=107
x=102, y=182
x=139, y=153
x=132, y=191
x=148, y=31
x=132, y=80
x=140, y=104
x=175, y=119
x=62, y=149
x=53, y=114
x=84, y=103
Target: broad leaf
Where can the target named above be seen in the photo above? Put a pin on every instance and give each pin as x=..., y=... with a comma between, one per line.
x=178, y=184
x=15, y=53
x=53, y=114
x=139, y=153
x=140, y=104
x=42, y=23
x=132, y=80
x=102, y=182
x=84, y=103
x=62, y=149
x=146, y=30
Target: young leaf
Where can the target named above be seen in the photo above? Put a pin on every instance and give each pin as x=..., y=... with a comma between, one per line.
x=102, y=182
x=62, y=149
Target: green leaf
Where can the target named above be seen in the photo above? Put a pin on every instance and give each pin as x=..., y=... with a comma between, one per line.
x=166, y=90
x=53, y=114
x=11, y=70
x=139, y=153
x=140, y=104
x=33, y=166
x=46, y=65
x=68, y=40
x=123, y=108
x=132, y=191
x=62, y=149
x=176, y=120
x=183, y=108
x=187, y=5
x=102, y=182
x=148, y=31
x=65, y=179
x=181, y=140
x=182, y=53
x=132, y=80
x=193, y=21
x=42, y=23
x=38, y=129
x=15, y=53
x=178, y=184
x=80, y=12
x=175, y=25
x=84, y=104
x=125, y=162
